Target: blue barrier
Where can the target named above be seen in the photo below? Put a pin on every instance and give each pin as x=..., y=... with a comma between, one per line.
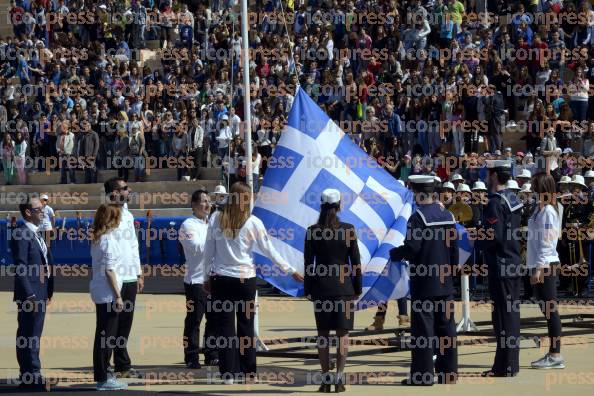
x=158, y=245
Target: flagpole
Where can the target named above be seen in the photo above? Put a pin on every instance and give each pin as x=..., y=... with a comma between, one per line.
x=245, y=58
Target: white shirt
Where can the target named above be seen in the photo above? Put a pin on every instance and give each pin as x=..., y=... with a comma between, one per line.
x=542, y=237
x=129, y=265
x=41, y=243
x=224, y=137
x=233, y=257
x=48, y=215
x=106, y=255
x=192, y=236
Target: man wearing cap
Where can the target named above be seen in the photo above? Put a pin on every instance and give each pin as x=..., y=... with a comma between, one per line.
x=432, y=257
x=501, y=219
x=523, y=177
x=48, y=223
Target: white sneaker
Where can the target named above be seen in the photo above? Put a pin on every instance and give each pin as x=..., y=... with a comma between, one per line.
x=549, y=362
x=228, y=381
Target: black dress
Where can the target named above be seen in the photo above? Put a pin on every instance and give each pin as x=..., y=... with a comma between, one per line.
x=332, y=275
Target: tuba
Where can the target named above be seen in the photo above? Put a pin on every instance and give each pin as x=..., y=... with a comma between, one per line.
x=462, y=213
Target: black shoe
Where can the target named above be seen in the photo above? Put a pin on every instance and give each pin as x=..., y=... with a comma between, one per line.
x=130, y=373
x=491, y=373
x=325, y=388
x=211, y=362
x=339, y=387
x=193, y=365
x=408, y=382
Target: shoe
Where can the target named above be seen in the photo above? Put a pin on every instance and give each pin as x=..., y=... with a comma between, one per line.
x=549, y=362
x=378, y=323
x=491, y=373
x=211, y=362
x=325, y=388
x=130, y=373
x=228, y=381
x=111, y=384
x=403, y=321
x=195, y=365
x=339, y=387
x=408, y=382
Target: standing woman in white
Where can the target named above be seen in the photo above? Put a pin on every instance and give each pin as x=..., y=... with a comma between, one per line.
x=105, y=288
x=232, y=235
x=542, y=261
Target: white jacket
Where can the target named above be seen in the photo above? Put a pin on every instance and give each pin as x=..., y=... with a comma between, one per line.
x=543, y=233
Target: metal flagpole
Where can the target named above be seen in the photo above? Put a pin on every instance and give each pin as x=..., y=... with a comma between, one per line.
x=245, y=59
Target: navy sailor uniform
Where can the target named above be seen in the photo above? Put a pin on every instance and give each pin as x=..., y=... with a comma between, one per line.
x=432, y=256
x=502, y=218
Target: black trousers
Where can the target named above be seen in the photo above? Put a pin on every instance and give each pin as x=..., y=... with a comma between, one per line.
x=196, y=155
x=235, y=297
x=196, y=308
x=433, y=331
x=505, y=293
x=546, y=295
x=105, y=339
x=121, y=359
x=30, y=319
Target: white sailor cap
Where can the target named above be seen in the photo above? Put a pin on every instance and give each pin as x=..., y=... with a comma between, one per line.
x=421, y=179
x=457, y=177
x=578, y=179
x=479, y=186
x=589, y=174
x=499, y=164
x=524, y=174
x=437, y=179
x=512, y=185
x=565, y=179
x=448, y=185
x=526, y=188
x=463, y=187
x=330, y=196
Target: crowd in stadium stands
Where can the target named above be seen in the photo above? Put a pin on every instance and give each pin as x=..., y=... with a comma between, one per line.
x=408, y=80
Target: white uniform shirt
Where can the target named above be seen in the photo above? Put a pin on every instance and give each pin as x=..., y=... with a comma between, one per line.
x=233, y=257
x=129, y=266
x=542, y=237
x=46, y=223
x=192, y=236
x=106, y=254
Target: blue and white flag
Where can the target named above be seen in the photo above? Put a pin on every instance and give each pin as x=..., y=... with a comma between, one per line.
x=313, y=154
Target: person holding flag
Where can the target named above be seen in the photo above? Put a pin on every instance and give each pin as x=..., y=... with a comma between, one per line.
x=432, y=256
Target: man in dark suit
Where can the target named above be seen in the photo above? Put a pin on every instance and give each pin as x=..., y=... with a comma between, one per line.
x=33, y=290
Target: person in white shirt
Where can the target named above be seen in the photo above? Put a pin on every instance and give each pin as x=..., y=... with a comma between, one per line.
x=130, y=271
x=542, y=261
x=232, y=235
x=224, y=137
x=48, y=223
x=192, y=236
x=105, y=289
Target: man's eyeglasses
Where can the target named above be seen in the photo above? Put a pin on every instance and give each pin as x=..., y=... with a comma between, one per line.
x=36, y=210
x=124, y=188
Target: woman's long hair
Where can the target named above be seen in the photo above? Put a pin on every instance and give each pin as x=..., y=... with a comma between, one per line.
x=329, y=216
x=544, y=186
x=237, y=210
x=107, y=218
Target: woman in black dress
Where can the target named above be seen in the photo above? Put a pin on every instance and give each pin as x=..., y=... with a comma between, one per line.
x=332, y=282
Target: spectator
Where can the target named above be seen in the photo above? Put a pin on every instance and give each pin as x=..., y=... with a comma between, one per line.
x=65, y=149
x=7, y=148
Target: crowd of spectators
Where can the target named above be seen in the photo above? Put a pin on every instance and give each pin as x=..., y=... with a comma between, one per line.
x=408, y=80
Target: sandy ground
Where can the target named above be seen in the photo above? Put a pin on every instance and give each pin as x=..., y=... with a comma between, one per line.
x=156, y=350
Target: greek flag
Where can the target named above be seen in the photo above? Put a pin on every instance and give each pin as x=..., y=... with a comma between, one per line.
x=313, y=154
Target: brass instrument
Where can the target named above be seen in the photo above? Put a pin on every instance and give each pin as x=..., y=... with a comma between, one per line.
x=462, y=212
x=576, y=261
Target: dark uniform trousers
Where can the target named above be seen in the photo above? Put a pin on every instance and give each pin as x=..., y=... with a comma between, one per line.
x=196, y=309
x=30, y=318
x=434, y=319
x=505, y=293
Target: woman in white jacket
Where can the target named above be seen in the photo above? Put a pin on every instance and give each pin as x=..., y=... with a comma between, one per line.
x=542, y=260
x=231, y=236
